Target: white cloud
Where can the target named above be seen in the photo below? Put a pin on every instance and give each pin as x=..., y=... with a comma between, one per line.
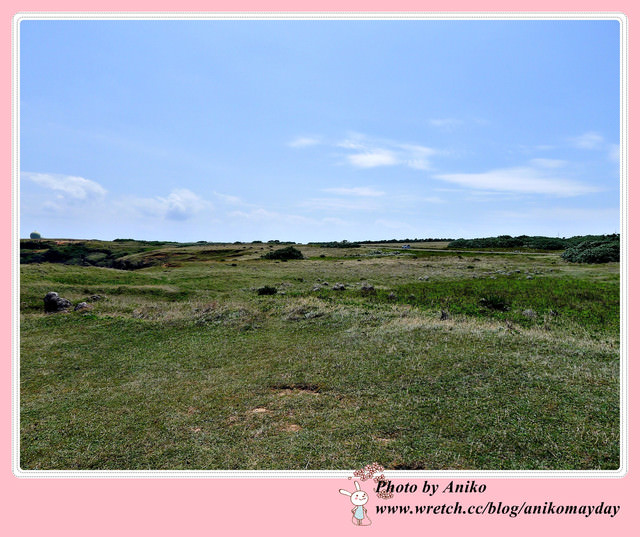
x=303, y=142
x=588, y=140
x=373, y=158
x=353, y=142
x=231, y=200
x=71, y=186
x=372, y=153
x=180, y=204
x=367, y=152
x=356, y=191
x=524, y=180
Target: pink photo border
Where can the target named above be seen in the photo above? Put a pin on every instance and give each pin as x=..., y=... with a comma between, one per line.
x=289, y=505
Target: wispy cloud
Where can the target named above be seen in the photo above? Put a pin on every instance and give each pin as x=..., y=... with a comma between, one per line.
x=373, y=158
x=68, y=186
x=228, y=199
x=356, y=191
x=588, y=140
x=367, y=152
x=530, y=179
x=304, y=141
x=180, y=204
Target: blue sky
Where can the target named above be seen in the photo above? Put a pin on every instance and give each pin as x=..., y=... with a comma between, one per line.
x=318, y=130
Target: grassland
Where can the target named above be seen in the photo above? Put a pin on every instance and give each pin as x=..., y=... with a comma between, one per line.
x=455, y=360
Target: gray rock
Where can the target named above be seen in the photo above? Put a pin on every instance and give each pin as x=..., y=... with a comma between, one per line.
x=54, y=303
x=83, y=306
x=367, y=288
x=444, y=315
x=339, y=287
x=530, y=314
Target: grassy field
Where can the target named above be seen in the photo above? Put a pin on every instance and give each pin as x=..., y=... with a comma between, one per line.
x=454, y=360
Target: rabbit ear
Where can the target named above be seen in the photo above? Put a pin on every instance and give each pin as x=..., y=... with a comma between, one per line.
x=345, y=492
x=357, y=485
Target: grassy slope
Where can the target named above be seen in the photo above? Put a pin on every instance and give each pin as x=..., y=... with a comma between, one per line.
x=185, y=366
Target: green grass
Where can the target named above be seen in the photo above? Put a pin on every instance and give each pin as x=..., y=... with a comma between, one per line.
x=185, y=366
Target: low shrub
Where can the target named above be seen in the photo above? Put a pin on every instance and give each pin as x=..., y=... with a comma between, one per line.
x=603, y=251
x=284, y=254
x=267, y=290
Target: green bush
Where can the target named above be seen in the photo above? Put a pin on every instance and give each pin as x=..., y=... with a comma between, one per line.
x=267, y=290
x=594, y=252
x=284, y=254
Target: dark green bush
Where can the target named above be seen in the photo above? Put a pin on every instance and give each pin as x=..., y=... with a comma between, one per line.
x=284, y=254
x=594, y=252
x=267, y=290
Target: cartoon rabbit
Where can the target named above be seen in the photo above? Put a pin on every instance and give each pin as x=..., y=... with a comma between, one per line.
x=358, y=498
